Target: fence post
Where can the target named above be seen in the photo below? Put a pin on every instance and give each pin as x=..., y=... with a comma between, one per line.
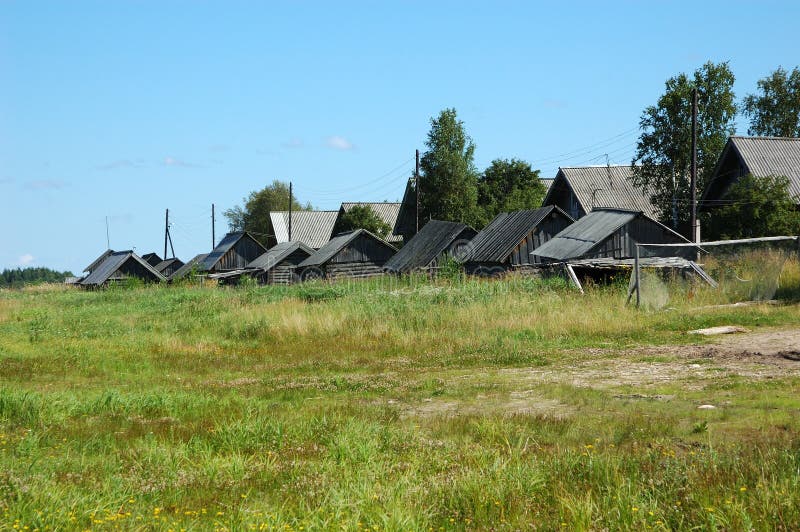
x=636, y=277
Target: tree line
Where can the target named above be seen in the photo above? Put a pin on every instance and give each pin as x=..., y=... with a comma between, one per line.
x=19, y=277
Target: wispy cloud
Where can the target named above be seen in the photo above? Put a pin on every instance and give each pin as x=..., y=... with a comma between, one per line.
x=552, y=103
x=121, y=164
x=294, y=143
x=46, y=184
x=172, y=161
x=25, y=260
x=339, y=143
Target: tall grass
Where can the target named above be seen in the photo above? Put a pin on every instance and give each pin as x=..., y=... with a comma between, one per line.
x=384, y=406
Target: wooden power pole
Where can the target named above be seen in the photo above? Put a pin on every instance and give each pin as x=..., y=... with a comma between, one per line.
x=695, y=229
x=166, y=234
x=290, y=212
x=213, y=228
x=416, y=188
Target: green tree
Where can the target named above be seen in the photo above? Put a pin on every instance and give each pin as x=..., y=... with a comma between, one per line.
x=754, y=207
x=253, y=215
x=18, y=277
x=775, y=109
x=362, y=217
x=662, y=161
x=449, y=180
x=508, y=185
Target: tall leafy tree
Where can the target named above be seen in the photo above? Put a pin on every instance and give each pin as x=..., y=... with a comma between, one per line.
x=253, y=214
x=775, y=109
x=754, y=207
x=663, y=155
x=449, y=180
x=508, y=185
x=362, y=217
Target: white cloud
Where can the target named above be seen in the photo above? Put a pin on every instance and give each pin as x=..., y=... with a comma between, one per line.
x=171, y=161
x=339, y=143
x=46, y=184
x=25, y=260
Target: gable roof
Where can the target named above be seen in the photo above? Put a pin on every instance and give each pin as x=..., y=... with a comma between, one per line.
x=166, y=263
x=152, y=258
x=103, y=256
x=277, y=253
x=597, y=187
x=196, y=262
x=498, y=239
x=313, y=228
x=547, y=182
x=386, y=211
x=114, y=262
x=336, y=244
x=225, y=245
x=433, y=239
x=580, y=238
x=761, y=156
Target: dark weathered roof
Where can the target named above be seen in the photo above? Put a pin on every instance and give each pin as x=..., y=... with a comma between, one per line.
x=388, y=212
x=164, y=264
x=98, y=260
x=313, y=228
x=433, y=239
x=597, y=187
x=498, y=239
x=335, y=245
x=195, y=263
x=152, y=258
x=223, y=247
x=277, y=253
x=112, y=263
x=580, y=238
x=765, y=156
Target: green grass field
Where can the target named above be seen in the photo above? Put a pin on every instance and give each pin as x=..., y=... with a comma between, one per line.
x=475, y=405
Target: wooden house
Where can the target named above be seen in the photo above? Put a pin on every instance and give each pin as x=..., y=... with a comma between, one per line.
x=579, y=190
x=276, y=266
x=153, y=259
x=611, y=234
x=355, y=254
x=757, y=156
x=425, y=250
x=191, y=267
x=234, y=251
x=507, y=242
x=119, y=266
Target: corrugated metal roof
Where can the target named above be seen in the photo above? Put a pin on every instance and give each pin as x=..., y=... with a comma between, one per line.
x=579, y=238
x=189, y=266
x=598, y=187
x=547, y=182
x=103, y=256
x=498, y=239
x=113, y=263
x=152, y=258
x=336, y=244
x=386, y=211
x=277, y=253
x=312, y=228
x=433, y=239
x=771, y=156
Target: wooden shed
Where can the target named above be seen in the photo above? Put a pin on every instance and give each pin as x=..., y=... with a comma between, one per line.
x=235, y=251
x=168, y=266
x=153, y=259
x=191, y=267
x=354, y=254
x=611, y=234
x=118, y=266
x=436, y=240
x=276, y=266
x=507, y=242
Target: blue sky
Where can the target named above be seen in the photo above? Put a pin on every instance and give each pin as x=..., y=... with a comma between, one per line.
x=121, y=109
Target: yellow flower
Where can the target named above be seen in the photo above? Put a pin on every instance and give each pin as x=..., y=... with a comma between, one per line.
x=743, y=488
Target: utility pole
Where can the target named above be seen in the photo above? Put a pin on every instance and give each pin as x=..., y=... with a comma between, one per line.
x=695, y=229
x=290, y=212
x=108, y=240
x=166, y=233
x=213, y=227
x=416, y=187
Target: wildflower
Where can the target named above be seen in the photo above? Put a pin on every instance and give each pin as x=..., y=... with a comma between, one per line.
x=743, y=488
x=635, y=509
